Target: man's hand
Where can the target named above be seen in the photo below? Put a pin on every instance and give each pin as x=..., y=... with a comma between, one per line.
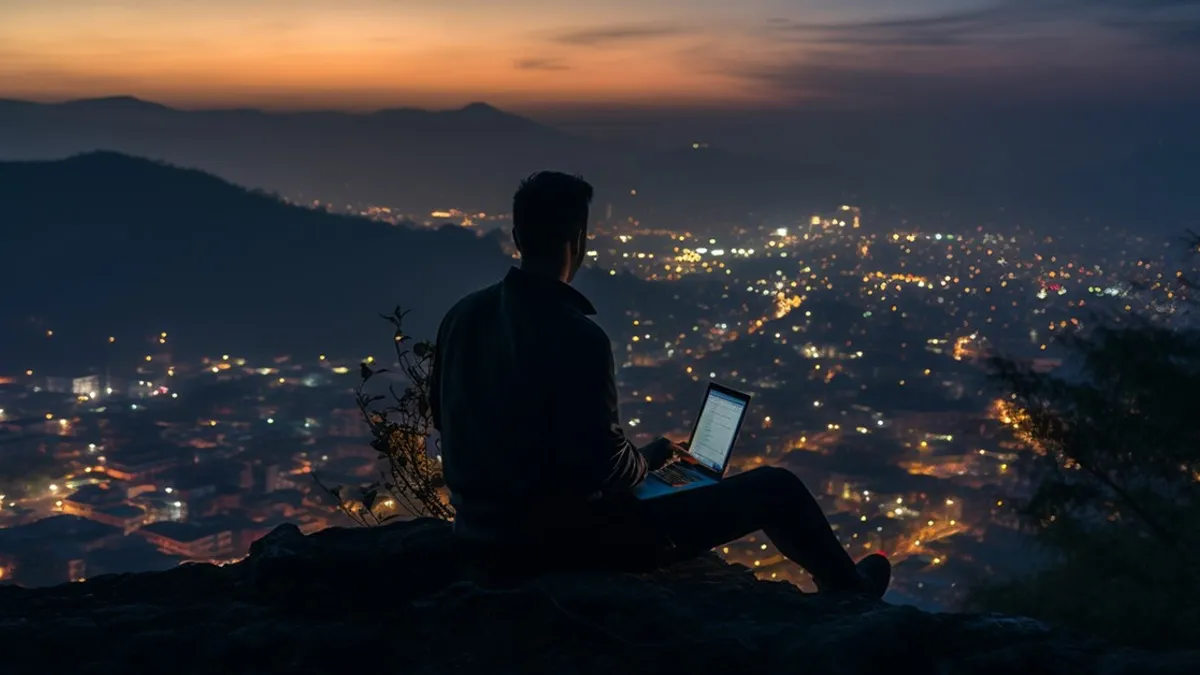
x=660, y=452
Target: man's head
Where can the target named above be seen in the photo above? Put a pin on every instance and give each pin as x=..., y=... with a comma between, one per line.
x=550, y=217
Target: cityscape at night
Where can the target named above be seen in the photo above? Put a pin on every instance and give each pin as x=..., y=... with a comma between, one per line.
x=865, y=344
x=637, y=336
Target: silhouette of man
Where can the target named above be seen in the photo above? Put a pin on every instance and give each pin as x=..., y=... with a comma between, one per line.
x=539, y=470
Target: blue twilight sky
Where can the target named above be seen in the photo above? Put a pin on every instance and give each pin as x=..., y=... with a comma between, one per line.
x=527, y=55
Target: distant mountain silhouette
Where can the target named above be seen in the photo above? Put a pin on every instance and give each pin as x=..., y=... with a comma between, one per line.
x=1053, y=170
x=402, y=157
x=407, y=158
x=115, y=103
x=106, y=244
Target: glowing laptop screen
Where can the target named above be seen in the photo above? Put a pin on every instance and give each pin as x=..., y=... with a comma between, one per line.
x=713, y=438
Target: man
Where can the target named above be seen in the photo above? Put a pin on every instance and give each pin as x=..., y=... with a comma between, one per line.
x=524, y=394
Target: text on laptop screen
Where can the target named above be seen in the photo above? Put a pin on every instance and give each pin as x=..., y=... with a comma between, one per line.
x=714, y=435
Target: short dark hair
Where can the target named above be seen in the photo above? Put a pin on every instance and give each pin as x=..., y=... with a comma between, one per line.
x=550, y=208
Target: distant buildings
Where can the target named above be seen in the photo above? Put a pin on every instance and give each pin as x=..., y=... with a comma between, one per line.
x=140, y=464
x=192, y=541
x=105, y=505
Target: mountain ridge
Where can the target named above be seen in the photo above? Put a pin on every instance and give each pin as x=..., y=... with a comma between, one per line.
x=410, y=159
x=202, y=256
x=121, y=245
x=127, y=100
x=952, y=174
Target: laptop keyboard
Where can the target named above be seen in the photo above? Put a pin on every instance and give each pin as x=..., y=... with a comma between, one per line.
x=675, y=475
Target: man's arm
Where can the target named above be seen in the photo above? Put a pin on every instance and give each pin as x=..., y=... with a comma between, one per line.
x=589, y=425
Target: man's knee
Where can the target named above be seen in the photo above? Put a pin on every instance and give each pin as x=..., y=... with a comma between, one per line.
x=769, y=490
x=775, y=478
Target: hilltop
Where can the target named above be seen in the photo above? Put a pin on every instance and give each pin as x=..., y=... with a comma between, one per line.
x=396, y=598
x=119, y=245
x=107, y=244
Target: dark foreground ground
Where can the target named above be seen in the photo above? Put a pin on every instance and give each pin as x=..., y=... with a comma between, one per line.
x=393, y=599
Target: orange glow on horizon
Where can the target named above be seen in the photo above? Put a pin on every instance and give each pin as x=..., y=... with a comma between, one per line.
x=526, y=55
x=357, y=55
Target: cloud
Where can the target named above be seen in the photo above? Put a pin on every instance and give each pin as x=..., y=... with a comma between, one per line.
x=815, y=81
x=541, y=63
x=1011, y=51
x=963, y=74
x=1177, y=21
x=937, y=30
x=605, y=35
x=1183, y=34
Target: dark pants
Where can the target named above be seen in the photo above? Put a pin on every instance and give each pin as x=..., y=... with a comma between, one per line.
x=635, y=535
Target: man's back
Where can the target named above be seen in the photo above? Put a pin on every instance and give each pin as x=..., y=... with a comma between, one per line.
x=524, y=398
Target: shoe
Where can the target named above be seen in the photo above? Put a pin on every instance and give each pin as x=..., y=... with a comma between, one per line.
x=876, y=573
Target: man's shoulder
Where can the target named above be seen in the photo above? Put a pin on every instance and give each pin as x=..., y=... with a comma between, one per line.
x=567, y=327
x=582, y=329
x=473, y=300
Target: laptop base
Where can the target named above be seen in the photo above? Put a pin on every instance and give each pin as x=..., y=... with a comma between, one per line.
x=654, y=486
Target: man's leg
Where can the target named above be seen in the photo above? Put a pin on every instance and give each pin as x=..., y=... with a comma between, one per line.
x=770, y=499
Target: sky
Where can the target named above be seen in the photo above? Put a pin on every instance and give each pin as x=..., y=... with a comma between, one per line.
x=529, y=55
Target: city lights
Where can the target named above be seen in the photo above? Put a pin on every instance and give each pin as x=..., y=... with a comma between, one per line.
x=835, y=322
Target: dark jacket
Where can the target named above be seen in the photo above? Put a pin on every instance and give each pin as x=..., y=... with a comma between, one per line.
x=524, y=394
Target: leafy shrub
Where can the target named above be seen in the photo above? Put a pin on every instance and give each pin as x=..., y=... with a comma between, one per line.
x=401, y=425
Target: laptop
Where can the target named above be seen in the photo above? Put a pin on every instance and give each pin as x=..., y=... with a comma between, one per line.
x=709, y=447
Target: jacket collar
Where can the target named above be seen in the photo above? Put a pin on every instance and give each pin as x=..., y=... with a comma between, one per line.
x=551, y=290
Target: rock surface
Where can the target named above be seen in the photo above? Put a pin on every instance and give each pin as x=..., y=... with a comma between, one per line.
x=394, y=599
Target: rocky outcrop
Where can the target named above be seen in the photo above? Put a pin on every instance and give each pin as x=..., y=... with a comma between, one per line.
x=394, y=599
